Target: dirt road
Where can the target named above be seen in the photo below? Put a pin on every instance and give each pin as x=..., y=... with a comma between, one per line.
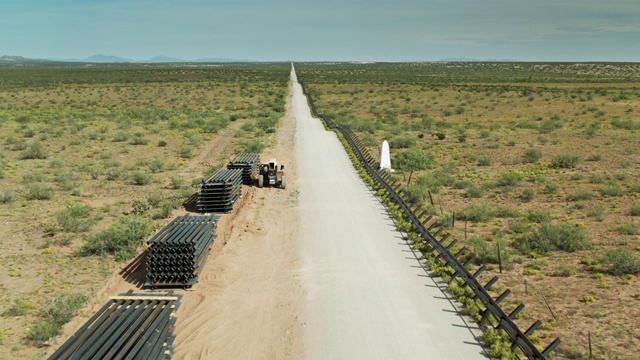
x=367, y=296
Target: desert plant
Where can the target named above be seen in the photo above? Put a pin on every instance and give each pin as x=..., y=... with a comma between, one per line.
x=412, y=160
x=8, y=196
x=549, y=237
x=580, y=196
x=527, y=195
x=57, y=313
x=486, y=252
x=565, y=161
x=621, y=261
x=628, y=229
x=564, y=270
x=35, y=151
x=484, y=161
x=120, y=136
x=121, y=239
x=20, y=307
x=509, y=178
x=531, y=156
x=474, y=191
x=140, y=178
x=635, y=209
x=538, y=216
x=76, y=218
x=38, y=191
x=476, y=213
x=612, y=190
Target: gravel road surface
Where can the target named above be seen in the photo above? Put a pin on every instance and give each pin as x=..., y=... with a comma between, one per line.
x=367, y=295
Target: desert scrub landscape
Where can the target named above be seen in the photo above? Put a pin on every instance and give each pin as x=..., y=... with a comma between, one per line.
x=538, y=160
x=93, y=158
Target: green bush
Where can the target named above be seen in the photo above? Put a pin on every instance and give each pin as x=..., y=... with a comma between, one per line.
x=42, y=331
x=499, y=343
x=252, y=146
x=565, y=271
x=551, y=188
x=8, y=196
x=485, y=161
x=486, y=252
x=476, y=213
x=538, y=216
x=506, y=212
x=531, y=156
x=474, y=191
x=580, y=196
x=120, y=136
x=121, y=239
x=20, y=307
x=76, y=218
x=509, y=178
x=140, y=178
x=57, y=313
x=621, y=261
x=565, y=161
x=635, y=208
x=628, y=229
x=38, y=191
x=612, y=190
x=35, y=151
x=550, y=237
x=596, y=178
x=137, y=140
x=527, y=195
x=402, y=142
x=156, y=165
x=185, y=152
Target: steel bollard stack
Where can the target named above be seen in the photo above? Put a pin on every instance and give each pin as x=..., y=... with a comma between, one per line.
x=129, y=326
x=178, y=251
x=220, y=191
x=249, y=163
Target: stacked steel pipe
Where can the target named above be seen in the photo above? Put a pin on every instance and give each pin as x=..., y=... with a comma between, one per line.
x=177, y=252
x=220, y=191
x=129, y=326
x=249, y=163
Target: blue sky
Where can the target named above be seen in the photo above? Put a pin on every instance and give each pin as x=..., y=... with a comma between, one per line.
x=316, y=30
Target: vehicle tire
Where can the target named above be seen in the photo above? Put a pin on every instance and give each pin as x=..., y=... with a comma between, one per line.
x=283, y=184
x=261, y=181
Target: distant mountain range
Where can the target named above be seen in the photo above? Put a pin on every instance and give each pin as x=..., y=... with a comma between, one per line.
x=100, y=58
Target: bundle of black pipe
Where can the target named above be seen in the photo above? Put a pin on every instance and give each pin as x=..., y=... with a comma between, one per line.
x=129, y=326
x=178, y=251
x=249, y=163
x=220, y=191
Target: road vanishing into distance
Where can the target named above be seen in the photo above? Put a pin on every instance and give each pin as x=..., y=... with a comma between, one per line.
x=367, y=295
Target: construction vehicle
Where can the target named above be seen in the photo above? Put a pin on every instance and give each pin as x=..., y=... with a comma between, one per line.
x=270, y=175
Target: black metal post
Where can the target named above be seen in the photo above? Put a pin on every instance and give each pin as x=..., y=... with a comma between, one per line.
x=499, y=259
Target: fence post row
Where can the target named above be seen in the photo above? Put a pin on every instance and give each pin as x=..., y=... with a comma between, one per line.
x=505, y=322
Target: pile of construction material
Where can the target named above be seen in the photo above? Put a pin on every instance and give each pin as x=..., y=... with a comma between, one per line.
x=177, y=253
x=220, y=191
x=129, y=326
x=249, y=163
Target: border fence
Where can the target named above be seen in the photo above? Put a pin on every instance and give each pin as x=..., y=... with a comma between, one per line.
x=410, y=208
